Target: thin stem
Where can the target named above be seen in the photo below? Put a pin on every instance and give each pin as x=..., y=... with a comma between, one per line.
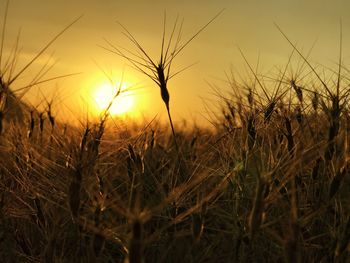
x=3, y=33
x=172, y=127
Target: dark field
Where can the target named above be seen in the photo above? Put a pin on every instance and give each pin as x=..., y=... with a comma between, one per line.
x=267, y=182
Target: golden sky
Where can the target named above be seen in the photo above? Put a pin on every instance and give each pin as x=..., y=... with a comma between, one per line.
x=248, y=24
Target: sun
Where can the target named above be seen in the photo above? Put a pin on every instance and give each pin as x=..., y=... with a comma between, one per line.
x=105, y=93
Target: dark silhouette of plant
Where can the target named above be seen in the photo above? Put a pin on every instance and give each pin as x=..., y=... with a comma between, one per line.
x=159, y=72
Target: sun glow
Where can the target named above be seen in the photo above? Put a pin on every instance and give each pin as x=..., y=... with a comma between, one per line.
x=105, y=94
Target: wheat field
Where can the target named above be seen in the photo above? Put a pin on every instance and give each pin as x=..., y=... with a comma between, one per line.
x=267, y=182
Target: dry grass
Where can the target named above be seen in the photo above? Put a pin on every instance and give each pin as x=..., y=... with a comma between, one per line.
x=269, y=183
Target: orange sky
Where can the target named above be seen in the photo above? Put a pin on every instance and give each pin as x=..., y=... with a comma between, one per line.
x=247, y=24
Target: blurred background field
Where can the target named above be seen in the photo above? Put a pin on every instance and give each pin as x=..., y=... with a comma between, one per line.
x=259, y=174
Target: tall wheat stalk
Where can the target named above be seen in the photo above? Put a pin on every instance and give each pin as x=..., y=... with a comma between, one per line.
x=159, y=72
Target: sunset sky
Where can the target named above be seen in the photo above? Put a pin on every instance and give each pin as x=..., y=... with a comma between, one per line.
x=246, y=24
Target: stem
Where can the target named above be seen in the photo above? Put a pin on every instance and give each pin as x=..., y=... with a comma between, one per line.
x=172, y=127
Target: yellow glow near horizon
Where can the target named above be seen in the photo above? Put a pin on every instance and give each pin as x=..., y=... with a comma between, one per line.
x=104, y=94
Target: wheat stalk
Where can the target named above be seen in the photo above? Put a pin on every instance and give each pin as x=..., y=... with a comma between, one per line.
x=159, y=72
